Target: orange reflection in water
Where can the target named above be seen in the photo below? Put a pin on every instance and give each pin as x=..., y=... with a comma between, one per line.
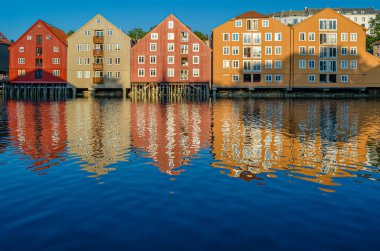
x=317, y=141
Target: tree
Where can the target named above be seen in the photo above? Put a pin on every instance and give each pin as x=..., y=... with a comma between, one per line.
x=136, y=34
x=374, y=31
x=202, y=36
x=70, y=32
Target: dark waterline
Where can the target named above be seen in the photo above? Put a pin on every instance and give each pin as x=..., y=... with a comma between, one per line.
x=112, y=174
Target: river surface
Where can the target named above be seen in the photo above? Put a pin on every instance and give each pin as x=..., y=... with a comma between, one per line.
x=113, y=174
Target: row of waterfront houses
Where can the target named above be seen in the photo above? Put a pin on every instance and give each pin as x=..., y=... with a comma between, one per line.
x=249, y=51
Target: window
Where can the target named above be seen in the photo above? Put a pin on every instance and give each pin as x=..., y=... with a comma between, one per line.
x=170, y=59
x=21, y=49
x=344, y=37
x=109, y=47
x=195, y=47
x=87, y=33
x=256, y=65
x=79, y=74
x=226, y=64
x=153, y=72
x=170, y=36
x=39, y=39
x=278, y=36
x=184, y=49
x=278, y=64
x=21, y=61
x=196, y=73
x=79, y=47
x=79, y=61
x=195, y=59
x=141, y=73
x=184, y=74
x=238, y=23
x=21, y=73
x=56, y=73
x=268, y=50
x=277, y=50
x=235, y=64
x=302, y=36
x=170, y=72
x=154, y=36
x=311, y=78
x=344, y=78
x=265, y=23
x=117, y=61
x=328, y=38
x=353, y=37
x=268, y=78
x=353, y=50
x=56, y=49
x=235, y=78
x=353, y=64
x=87, y=74
x=153, y=47
x=278, y=78
x=170, y=24
x=344, y=64
x=302, y=50
x=184, y=36
x=38, y=62
x=327, y=24
x=302, y=64
x=268, y=64
x=235, y=50
x=311, y=36
x=247, y=38
x=170, y=47
x=226, y=50
x=117, y=47
x=153, y=59
x=256, y=52
x=98, y=21
x=109, y=74
x=311, y=50
x=38, y=74
x=226, y=37
x=110, y=32
x=247, y=52
x=235, y=36
x=328, y=52
x=256, y=38
x=87, y=61
x=327, y=66
x=344, y=51
x=268, y=36
x=141, y=59
x=28, y=37
x=56, y=60
x=88, y=47
x=311, y=64
x=247, y=66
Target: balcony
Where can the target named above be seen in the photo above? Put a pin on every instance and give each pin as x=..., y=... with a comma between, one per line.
x=98, y=80
x=98, y=39
x=98, y=66
x=98, y=53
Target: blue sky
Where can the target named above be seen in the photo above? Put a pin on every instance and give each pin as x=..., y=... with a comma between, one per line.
x=18, y=15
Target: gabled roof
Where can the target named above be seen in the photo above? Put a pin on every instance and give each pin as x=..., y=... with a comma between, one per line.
x=345, y=11
x=4, y=40
x=252, y=14
x=59, y=34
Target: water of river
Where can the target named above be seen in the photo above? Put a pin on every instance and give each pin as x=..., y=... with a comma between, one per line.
x=112, y=174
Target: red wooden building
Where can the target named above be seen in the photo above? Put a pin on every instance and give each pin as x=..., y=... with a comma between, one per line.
x=172, y=54
x=39, y=56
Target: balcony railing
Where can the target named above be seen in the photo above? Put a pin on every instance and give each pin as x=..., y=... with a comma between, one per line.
x=98, y=39
x=98, y=80
x=98, y=53
x=98, y=66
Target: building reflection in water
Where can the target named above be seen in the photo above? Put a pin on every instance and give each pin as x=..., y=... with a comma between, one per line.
x=170, y=134
x=38, y=130
x=3, y=125
x=99, y=133
x=317, y=141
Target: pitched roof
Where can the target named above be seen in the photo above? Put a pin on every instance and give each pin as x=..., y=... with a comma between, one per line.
x=4, y=40
x=252, y=14
x=345, y=11
x=60, y=34
x=289, y=13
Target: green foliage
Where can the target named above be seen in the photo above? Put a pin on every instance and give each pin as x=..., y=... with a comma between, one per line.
x=70, y=32
x=375, y=32
x=203, y=37
x=136, y=34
